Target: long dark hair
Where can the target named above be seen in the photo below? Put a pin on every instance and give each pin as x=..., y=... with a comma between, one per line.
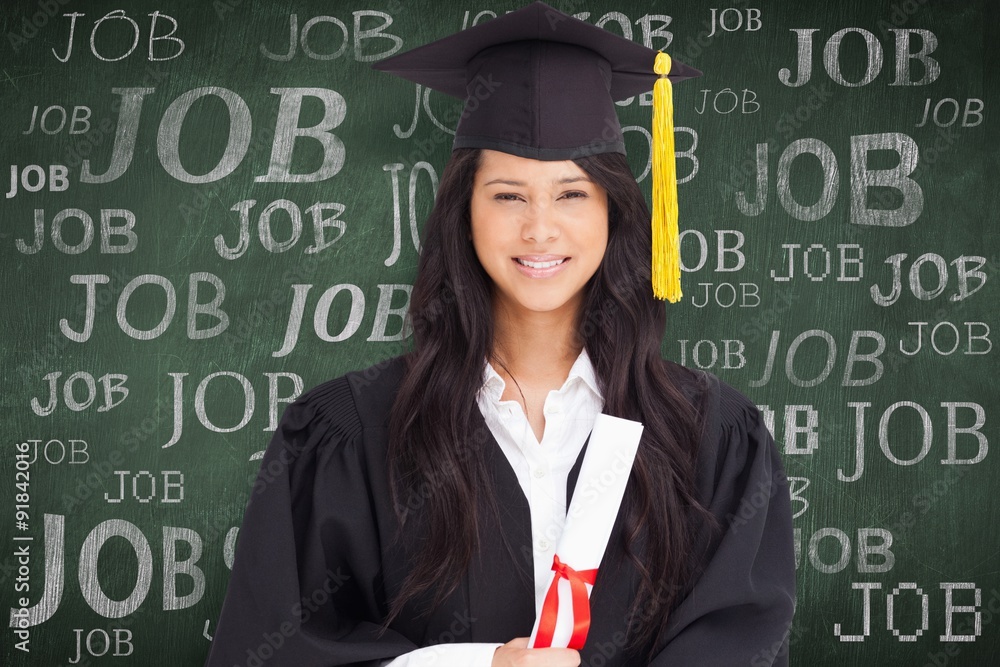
x=620, y=324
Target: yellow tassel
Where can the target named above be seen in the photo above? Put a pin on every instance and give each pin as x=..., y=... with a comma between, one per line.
x=666, y=246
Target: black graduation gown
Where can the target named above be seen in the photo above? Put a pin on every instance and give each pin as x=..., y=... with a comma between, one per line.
x=316, y=560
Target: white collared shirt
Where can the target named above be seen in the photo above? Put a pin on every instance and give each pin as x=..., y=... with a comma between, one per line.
x=542, y=470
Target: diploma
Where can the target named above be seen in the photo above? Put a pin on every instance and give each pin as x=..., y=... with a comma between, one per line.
x=565, y=616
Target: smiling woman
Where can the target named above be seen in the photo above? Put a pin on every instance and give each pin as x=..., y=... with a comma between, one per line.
x=442, y=489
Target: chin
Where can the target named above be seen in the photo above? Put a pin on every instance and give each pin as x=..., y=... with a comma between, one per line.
x=541, y=303
x=545, y=307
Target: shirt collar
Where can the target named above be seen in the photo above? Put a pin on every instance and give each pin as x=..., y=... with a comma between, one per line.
x=493, y=384
x=581, y=370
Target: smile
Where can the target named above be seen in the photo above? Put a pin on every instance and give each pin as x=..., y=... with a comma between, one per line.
x=540, y=265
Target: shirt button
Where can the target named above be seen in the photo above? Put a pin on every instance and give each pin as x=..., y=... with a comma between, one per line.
x=543, y=545
x=539, y=473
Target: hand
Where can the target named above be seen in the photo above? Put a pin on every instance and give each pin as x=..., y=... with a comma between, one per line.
x=516, y=653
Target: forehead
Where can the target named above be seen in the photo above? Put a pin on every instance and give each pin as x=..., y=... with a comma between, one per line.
x=498, y=165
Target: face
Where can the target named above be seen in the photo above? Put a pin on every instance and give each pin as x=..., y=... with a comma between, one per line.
x=540, y=229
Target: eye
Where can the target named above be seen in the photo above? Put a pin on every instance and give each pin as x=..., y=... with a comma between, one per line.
x=507, y=196
x=575, y=194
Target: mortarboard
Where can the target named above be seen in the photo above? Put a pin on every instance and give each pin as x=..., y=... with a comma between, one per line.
x=540, y=84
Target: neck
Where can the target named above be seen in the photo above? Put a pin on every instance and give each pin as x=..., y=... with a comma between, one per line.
x=531, y=346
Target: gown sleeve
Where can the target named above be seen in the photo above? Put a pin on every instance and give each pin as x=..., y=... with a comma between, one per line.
x=305, y=582
x=740, y=609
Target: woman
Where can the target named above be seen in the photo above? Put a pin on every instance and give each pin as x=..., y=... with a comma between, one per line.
x=406, y=514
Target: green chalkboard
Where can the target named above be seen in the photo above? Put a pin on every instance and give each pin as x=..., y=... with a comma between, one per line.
x=213, y=206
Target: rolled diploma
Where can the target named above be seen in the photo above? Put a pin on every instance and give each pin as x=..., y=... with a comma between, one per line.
x=592, y=511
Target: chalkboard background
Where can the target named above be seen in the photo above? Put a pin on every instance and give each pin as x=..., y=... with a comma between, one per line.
x=146, y=359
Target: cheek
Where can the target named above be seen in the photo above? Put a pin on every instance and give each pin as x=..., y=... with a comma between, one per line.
x=492, y=230
x=598, y=237
x=481, y=254
x=602, y=233
x=483, y=238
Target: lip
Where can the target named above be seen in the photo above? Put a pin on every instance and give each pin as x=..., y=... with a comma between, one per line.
x=540, y=272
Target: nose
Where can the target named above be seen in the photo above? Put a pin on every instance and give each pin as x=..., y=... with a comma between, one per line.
x=540, y=223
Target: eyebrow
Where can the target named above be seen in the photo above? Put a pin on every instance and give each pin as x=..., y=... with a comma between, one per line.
x=561, y=181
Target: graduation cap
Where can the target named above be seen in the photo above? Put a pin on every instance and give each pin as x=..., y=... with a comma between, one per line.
x=540, y=84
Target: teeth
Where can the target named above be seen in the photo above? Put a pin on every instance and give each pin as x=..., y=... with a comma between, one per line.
x=540, y=265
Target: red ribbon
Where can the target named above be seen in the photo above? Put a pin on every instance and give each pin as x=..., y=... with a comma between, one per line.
x=581, y=605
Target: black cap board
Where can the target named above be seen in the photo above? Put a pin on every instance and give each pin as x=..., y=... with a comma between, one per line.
x=536, y=82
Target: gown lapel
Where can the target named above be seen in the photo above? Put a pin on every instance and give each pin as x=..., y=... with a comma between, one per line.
x=500, y=578
x=574, y=473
